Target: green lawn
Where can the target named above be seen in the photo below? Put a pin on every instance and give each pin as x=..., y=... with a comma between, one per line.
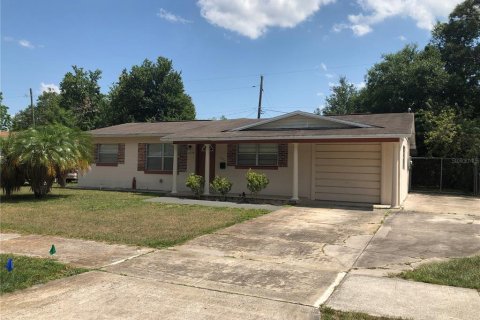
x=116, y=217
x=330, y=314
x=462, y=272
x=31, y=271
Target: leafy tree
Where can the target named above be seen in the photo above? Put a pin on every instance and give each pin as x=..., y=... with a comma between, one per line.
x=12, y=177
x=80, y=93
x=5, y=119
x=342, y=100
x=48, y=111
x=404, y=80
x=458, y=41
x=152, y=91
x=43, y=153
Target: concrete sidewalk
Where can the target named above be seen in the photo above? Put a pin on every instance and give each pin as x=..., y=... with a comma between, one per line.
x=209, y=203
x=77, y=252
x=392, y=297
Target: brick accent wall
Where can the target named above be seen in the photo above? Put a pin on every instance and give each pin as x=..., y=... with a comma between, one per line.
x=182, y=157
x=121, y=153
x=141, y=158
x=231, y=155
x=283, y=155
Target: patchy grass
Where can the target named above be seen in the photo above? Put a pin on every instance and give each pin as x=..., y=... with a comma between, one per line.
x=331, y=314
x=116, y=217
x=29, y=271
x=462, y=272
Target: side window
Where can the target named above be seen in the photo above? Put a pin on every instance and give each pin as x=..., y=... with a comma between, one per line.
x=108, y=153
x=159, y=157
x=257, y=155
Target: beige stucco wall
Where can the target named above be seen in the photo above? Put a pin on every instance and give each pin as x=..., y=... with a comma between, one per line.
x=121, y=176
x=280, y=180
x=387, y=174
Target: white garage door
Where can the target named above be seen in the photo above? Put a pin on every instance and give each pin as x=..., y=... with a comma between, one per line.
x=348, y=172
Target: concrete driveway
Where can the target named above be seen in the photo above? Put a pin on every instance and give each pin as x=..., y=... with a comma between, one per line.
x=278, y=266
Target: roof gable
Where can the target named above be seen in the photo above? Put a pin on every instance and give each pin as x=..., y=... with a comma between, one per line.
x=301, y=120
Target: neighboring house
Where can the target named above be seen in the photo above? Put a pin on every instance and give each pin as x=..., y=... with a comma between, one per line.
x=356, y=158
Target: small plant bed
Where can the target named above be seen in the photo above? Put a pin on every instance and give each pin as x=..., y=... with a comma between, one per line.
x=115, y=217
x=331, y=314
x=29, y=271
x=461, y=272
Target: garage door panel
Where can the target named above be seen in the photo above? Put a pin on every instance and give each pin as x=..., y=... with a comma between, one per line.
x=348, y=172
x=347, y=183
x=349, y=169
x=347, y=197
x=350, y=191
x=349, y=176
x=348, y=147
x=348, y=162
x=347, y=155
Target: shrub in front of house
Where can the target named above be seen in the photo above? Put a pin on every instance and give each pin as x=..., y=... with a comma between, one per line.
x=221, y=185
x=256, y=182
x=195, y=183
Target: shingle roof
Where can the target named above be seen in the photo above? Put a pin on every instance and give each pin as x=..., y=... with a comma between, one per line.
x=383, y=125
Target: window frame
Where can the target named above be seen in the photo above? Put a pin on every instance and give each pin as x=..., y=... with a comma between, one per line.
x=162, y=157
x=257, y=157
x=99, y=162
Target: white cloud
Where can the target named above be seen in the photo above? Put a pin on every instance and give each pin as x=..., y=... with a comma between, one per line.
x=22, y=42
x=26, y=44
x=323, y=66
x=402, y=38
x=329, y=75
x=49, y=87
x=320, y=94
x=170, y=17
x=424, y=12
x=252, y=18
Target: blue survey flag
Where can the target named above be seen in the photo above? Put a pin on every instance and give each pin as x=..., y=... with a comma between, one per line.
x=9, y=265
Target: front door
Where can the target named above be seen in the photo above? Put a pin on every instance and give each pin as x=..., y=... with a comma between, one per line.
x=200, y=161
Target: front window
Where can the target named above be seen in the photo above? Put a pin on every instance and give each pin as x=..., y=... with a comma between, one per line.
x=108, y=153
x=257, y=155
x=159, y=157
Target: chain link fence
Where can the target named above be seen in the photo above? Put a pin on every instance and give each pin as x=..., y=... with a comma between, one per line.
x=448, y=175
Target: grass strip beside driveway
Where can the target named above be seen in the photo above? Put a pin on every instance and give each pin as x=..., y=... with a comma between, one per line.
x=115, y=217
x=461, y=272
x=331, y=314
x=28, y=271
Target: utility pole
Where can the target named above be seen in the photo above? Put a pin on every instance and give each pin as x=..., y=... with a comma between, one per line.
x=31, y=106
x=260, y=98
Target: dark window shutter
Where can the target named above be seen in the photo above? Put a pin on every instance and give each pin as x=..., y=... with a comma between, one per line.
x=95, y=153
x=231, y=155
x=142, y=149
x=182, y=157
x=121, y=153
x=283, y=155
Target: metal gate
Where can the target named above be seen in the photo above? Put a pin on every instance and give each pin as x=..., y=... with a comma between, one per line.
x=448, y=175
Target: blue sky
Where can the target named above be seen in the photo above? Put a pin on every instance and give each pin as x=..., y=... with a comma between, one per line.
x=220, y=46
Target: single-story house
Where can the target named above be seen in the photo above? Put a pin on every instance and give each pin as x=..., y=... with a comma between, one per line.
x=353, y=158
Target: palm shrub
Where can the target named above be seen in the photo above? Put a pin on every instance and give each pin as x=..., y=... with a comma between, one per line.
x=45, y=152
x=12, y=177
x=221, y=185
x=256, y=182
x=195, y=183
